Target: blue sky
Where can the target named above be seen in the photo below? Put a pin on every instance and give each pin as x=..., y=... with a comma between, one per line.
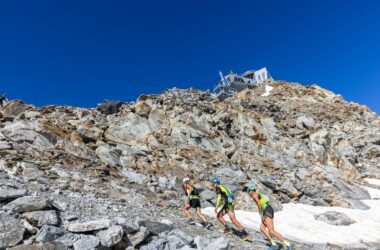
x=81, y=52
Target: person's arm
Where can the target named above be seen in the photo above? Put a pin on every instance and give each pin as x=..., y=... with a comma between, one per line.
x=219, y=199
x=186, y=191
x=256, y=198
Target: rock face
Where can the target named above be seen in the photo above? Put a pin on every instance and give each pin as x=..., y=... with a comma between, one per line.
x=105, y=177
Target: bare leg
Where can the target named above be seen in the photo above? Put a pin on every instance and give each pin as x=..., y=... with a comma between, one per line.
x=186, y=210
x=220, y=217
x=200, y=215
x=269, y=225
x=234, y=220
x=264, y=230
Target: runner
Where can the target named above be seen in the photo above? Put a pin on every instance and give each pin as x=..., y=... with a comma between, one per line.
x=267, y=214
x=225, y=205
x=192, y=200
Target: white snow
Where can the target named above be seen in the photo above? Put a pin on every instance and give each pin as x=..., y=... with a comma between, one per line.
x=375, y=182
x=268, y=89
x=373, y=192
x=296, y=222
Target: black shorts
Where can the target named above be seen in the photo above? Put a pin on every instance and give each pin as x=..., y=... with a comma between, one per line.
x=195, y=203
x=268, y=212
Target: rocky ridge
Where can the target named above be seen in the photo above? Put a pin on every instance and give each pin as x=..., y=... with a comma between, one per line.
x=109, y=177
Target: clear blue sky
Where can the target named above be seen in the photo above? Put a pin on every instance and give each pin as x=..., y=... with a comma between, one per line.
x=81, y=52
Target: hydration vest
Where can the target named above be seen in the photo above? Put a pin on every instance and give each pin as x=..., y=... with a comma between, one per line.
x=264, y=201
x=194, y=194
x=228, y=193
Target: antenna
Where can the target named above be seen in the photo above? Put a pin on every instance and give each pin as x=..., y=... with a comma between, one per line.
x=223, y=80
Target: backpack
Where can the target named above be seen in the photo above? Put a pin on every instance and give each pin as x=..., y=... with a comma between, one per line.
x=230, y=196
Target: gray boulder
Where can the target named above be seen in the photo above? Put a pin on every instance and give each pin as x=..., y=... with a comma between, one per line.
x=130, y=129
x=175, y=242
x=155, y=227
x=373, y=152
x=27, y=204
x=288, y=188
x=335, y=218
x=127, y=224
x=68, y=239
x=221, y=243
x=88, y=226
x=45, y=246
x=12, y=232
x=157, y=244
x=201, y=242
x=111, y=236
x=40, y=218
x=5, y=145
x=138, y=237
x=181, y=235
x=8, y=193
x=27, y=132
x=86, y=242
x=133, y=176
x=90, y=132
x=107, y=155
x=227, y=174
x=30, y=171
x=49, y=233
x=305, y=122
x=13, y=109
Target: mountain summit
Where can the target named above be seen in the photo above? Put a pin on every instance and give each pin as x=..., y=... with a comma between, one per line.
x=110, y=177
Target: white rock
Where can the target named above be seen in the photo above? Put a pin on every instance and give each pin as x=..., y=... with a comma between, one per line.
x=88, y=226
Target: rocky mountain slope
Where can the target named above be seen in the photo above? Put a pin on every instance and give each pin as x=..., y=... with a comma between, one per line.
x=109, y=177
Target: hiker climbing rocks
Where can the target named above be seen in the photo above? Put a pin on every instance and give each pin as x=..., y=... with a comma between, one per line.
x=192, y=200
x=225, y=205
x=267, y=214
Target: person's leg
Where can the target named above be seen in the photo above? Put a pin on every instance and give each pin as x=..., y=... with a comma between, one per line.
x=274, y=233
x=270, y=226
x=264, y=230
x=233, y=219
x=200, y=215
x=243, y=234
x=227, y=229
x=220, y=217
x=186, y=210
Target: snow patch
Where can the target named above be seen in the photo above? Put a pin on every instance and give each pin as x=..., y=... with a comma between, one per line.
x=373, y=192
x=296, y=222
x=268, y=89
x=375, y=182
